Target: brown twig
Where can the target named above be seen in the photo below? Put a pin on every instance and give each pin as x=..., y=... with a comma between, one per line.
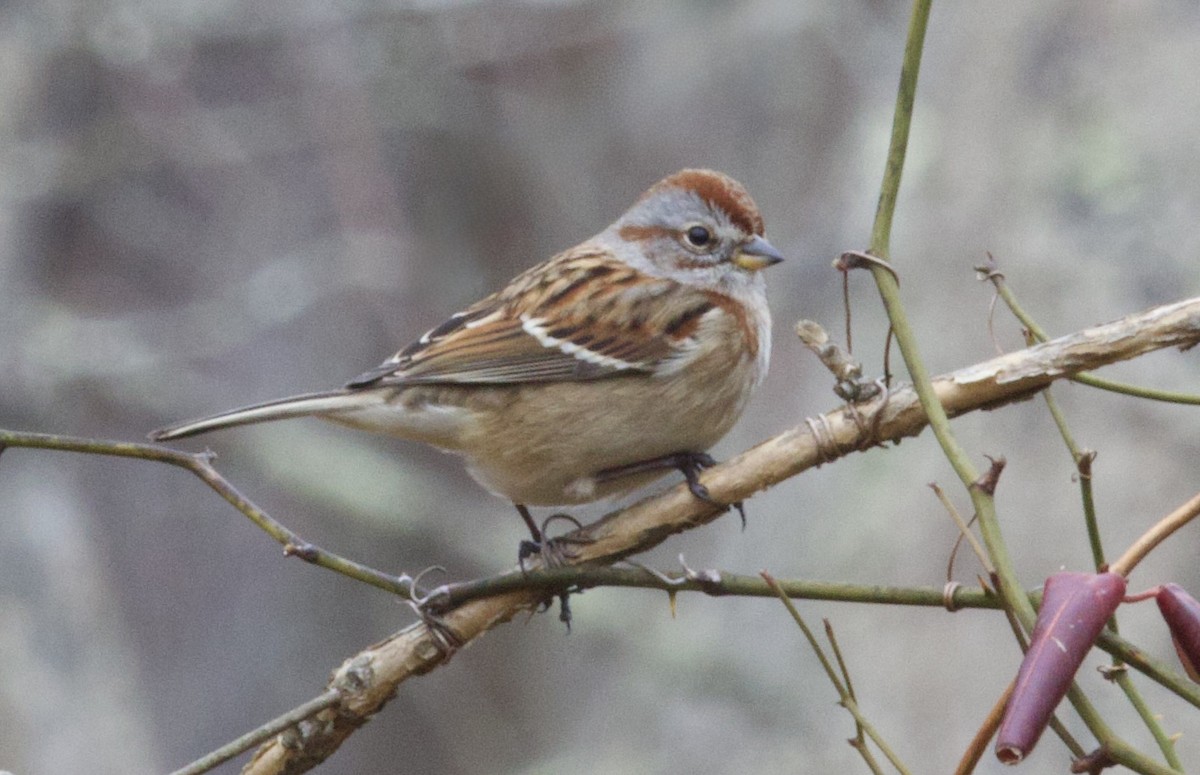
x=987, y=730
x=200, y=464
x=1155, y=536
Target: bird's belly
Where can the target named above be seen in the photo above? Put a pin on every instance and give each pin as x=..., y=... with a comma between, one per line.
x=547, y=449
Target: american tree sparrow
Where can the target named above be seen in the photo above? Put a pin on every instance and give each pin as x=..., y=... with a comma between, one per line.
x=591, y=374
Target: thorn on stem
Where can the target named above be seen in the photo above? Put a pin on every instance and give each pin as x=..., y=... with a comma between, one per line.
x=1084, y=464
x=987, y=483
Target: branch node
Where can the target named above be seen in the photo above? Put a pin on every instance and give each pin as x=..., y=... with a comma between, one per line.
x=989, y=271
x=709, y=580
x=302, y=549
x=355, y=675
x=297, y=736
x=1094, y=763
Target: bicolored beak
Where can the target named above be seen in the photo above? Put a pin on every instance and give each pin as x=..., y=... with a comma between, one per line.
x=755, y=254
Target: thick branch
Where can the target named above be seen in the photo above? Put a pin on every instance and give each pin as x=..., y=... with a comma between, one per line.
x=382, y=668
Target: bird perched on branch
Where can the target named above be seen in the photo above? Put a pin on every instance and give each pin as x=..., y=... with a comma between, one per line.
x=591, y=374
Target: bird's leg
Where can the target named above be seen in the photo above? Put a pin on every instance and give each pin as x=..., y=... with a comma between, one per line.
x=534, y=530
x=690, y=464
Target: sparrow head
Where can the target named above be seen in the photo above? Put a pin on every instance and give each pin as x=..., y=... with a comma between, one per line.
x=696, y=226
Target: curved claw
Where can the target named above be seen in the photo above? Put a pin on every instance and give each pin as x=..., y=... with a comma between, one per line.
x=565, y=517
x=690, y=464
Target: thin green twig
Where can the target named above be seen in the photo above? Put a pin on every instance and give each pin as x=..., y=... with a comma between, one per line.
x=1083, y=467
x=1136, y=391
x=1153, y=722
x=859, y=743
x=881, y=231
x=846, y=700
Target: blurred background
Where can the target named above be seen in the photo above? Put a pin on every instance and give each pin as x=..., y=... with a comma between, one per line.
x=208, y=204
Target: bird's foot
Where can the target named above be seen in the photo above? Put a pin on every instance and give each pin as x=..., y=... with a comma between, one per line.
x=690, y=464
x=554, y=552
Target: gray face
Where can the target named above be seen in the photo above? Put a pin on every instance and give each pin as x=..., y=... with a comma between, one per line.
x=678, y=234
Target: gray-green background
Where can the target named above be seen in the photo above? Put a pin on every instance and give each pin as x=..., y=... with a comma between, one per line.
x=206, y=204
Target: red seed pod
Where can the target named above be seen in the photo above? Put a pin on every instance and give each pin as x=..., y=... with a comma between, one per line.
x=1075, y=607
x=1182, y=613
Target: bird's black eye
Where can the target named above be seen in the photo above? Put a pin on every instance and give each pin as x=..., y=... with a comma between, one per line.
x=698, y=236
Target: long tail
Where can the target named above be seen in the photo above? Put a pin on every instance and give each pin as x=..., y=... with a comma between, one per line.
x=279, y=409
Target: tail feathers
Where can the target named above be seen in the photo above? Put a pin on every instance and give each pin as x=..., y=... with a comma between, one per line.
x=280, y=409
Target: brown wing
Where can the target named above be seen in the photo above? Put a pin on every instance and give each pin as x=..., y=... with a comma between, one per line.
x=582, y=315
